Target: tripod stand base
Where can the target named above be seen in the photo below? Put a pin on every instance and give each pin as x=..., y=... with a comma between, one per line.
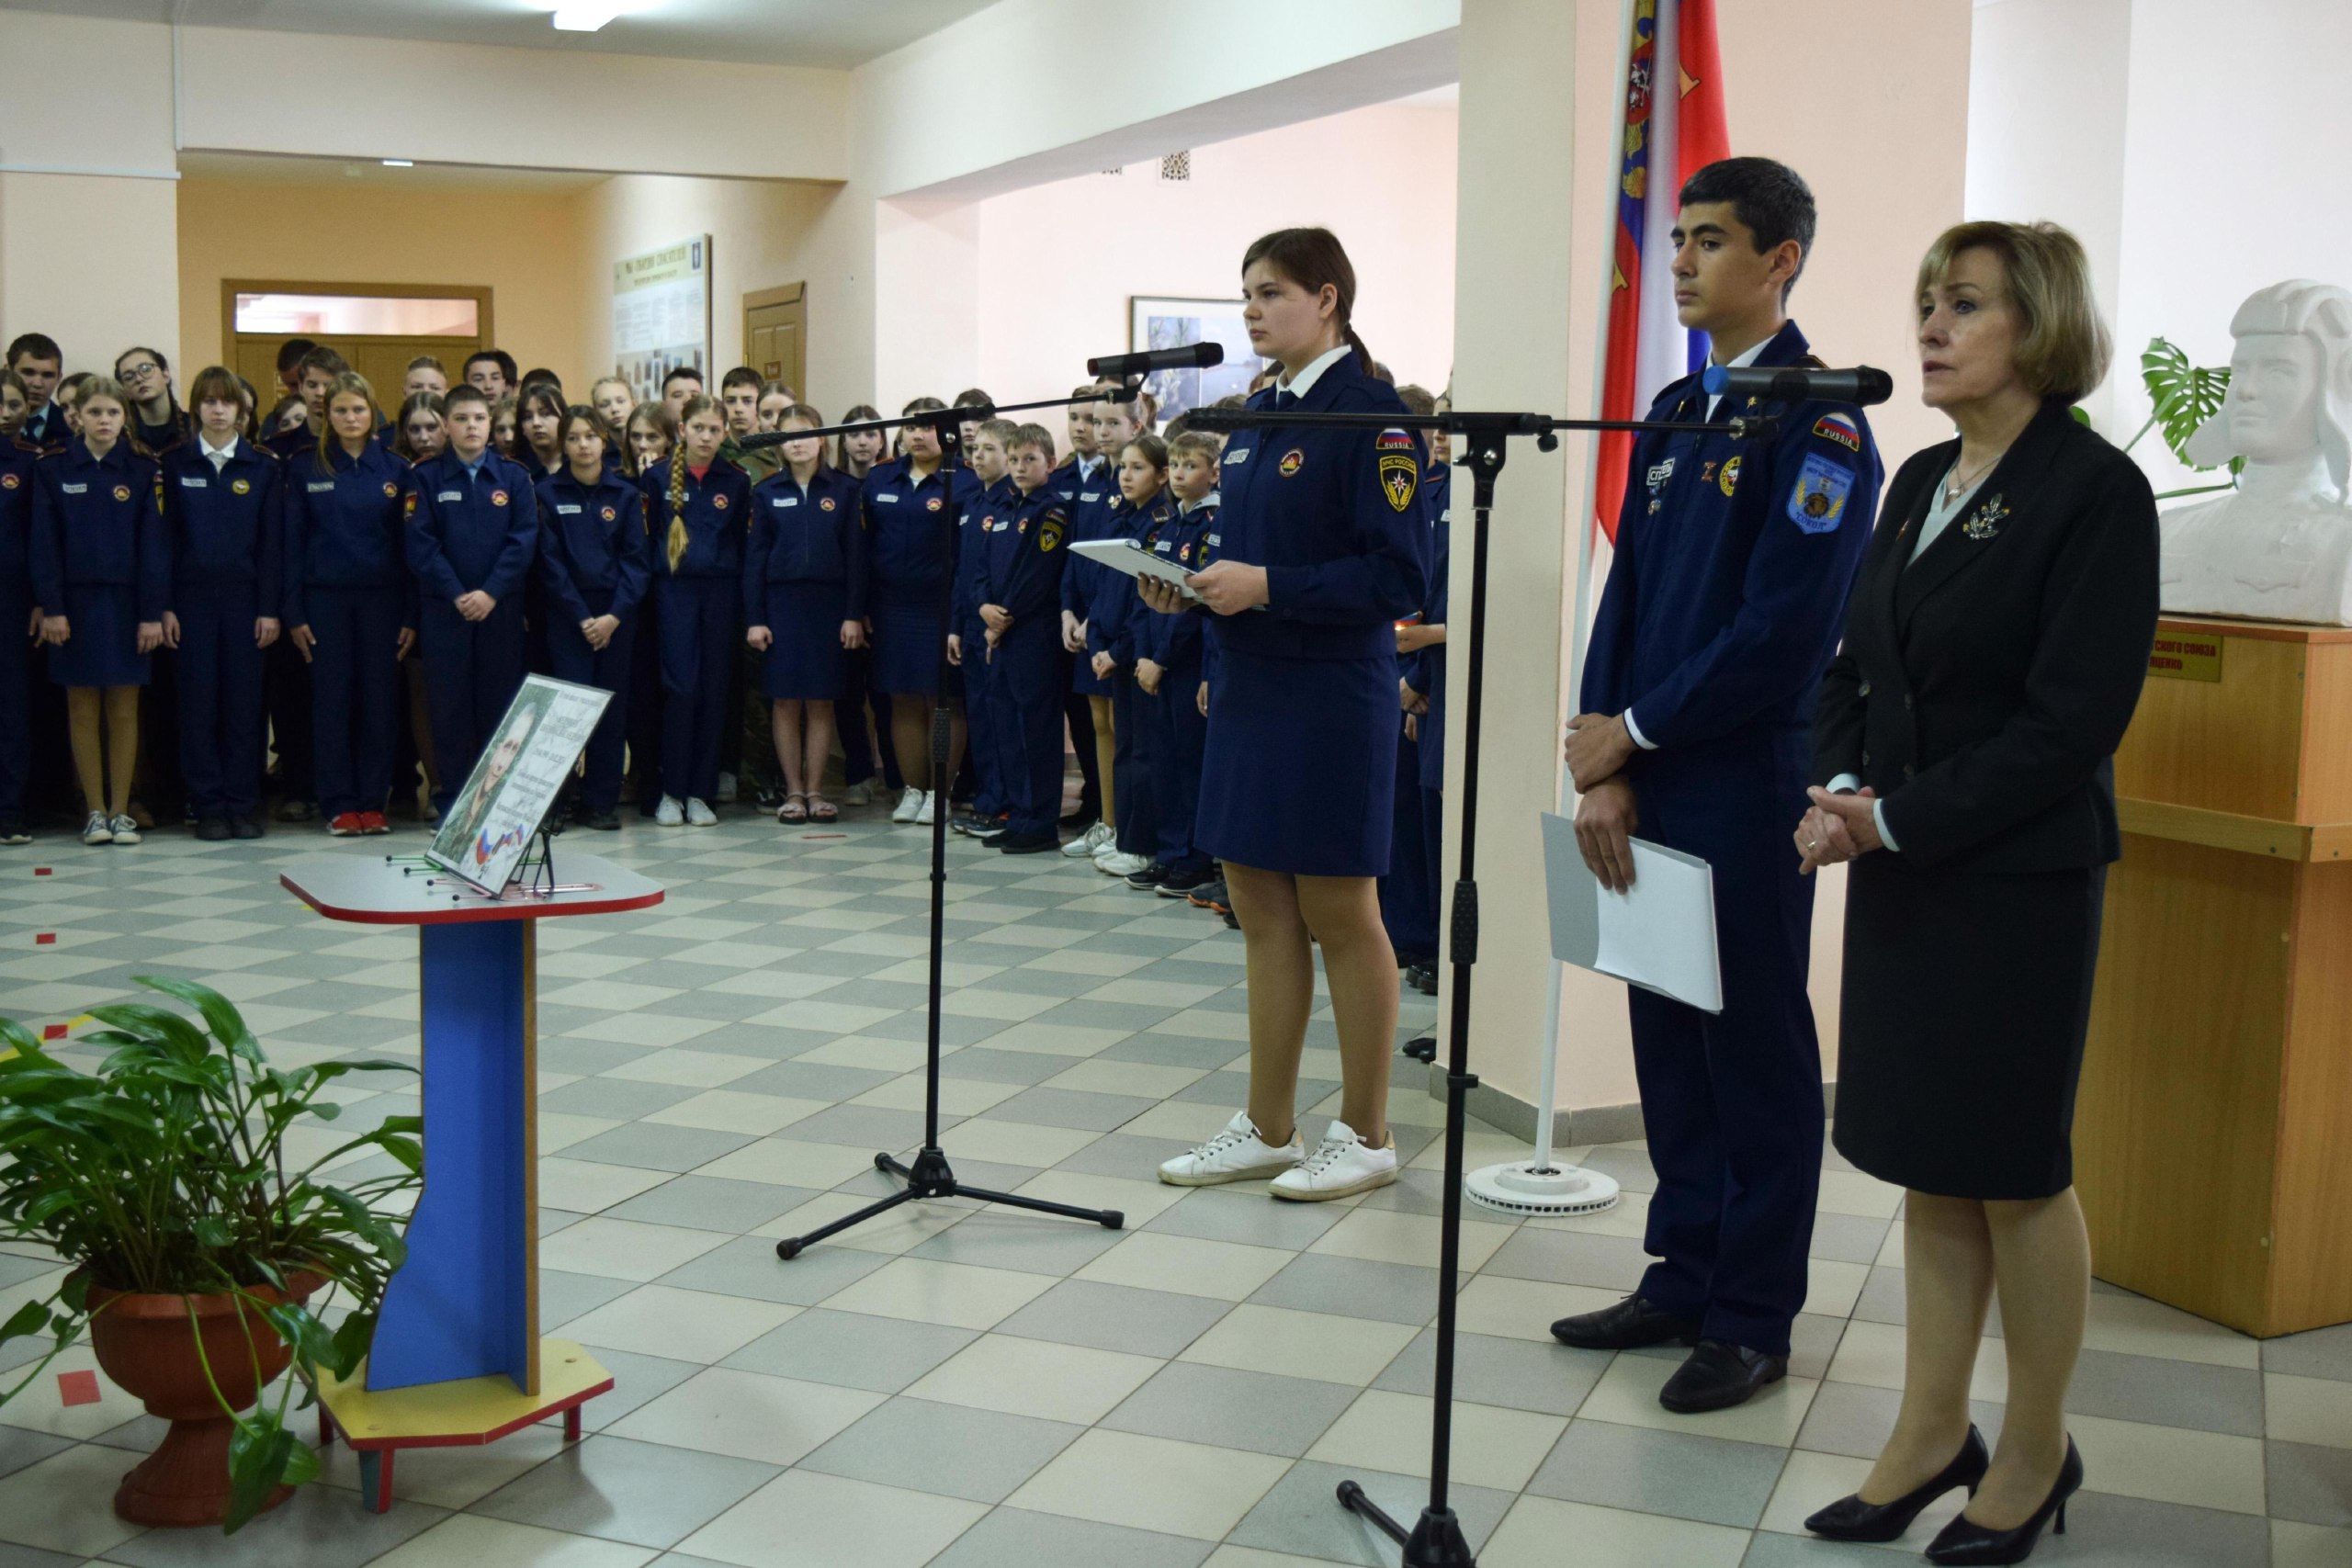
x=1523, y=1189
x=932, y=1176
x=1435, y=1542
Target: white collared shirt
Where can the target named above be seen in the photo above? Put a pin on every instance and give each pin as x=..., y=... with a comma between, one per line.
x=1298, y=386
x=1739, y=361
x=218, y=455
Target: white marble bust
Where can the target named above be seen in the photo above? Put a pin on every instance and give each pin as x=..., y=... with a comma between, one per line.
x=2280, y=546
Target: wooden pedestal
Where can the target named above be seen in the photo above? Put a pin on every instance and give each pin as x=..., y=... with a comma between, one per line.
x=2213, y=1135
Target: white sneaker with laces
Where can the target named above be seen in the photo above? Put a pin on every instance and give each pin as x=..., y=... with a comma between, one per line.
x=670, y=813
x=97, y=829
x=125, y=829
x=1342, y=1166
x=1238, y=1154
x=1089, y=842
x=910, y=802
x=1118, y=864
x=929, y=804
x=700, y=816
x=860, y=793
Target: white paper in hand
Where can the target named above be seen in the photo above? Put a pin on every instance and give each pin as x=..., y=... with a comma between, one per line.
x=1127, y=556
x=1660, y=935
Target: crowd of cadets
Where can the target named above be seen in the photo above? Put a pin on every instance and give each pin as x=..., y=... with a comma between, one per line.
x=356, y=593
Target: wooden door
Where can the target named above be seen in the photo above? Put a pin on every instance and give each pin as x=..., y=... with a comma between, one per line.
x=383, y=358
x=776, y=334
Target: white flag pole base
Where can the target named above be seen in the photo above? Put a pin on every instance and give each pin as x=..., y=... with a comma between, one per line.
x=1527, y=1188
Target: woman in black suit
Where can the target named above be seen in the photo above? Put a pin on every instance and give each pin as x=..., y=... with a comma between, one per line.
x=1995, y=648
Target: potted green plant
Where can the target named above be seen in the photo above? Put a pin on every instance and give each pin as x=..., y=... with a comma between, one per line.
x=199, y=1243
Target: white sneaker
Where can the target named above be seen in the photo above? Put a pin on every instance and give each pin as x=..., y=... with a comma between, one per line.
x=1238, y=1154
x=726, y=794
x=1122, y=866
x=97, y=829
x=1340, y=1167
x=700, y=816
x=670, y=813
x=911, y=801
x=860, y=793
x=125, y=829
x=922, y=813
x=1089, y=842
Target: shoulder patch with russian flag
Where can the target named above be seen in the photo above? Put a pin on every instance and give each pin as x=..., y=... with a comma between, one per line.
x=1837, y=427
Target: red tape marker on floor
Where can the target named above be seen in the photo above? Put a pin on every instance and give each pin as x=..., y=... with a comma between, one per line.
x=53, y=1031
x=45, y=939
x=77, y=1388
x=40, y=870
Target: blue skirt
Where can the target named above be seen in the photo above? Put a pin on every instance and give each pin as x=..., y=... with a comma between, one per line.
x=805, y=660
x=906, y=645
x=104, y=648
x=1299, y=774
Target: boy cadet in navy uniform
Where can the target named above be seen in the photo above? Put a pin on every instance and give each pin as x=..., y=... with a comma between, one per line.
x=990, y=456
x=1168, y=672
x=1020, y=591
x=19, y=621
x=37, y=359
x=1723, y=607
x=473, y=527
x=597, y=562
x=224, y=508
x=1088, y=483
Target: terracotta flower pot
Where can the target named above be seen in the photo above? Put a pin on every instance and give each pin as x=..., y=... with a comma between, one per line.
x=146, y=1345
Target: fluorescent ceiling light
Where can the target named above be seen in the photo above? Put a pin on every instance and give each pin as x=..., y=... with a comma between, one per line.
x=586, y=18
x=399, y=162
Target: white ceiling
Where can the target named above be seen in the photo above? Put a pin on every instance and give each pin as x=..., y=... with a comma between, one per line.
x=832, y=34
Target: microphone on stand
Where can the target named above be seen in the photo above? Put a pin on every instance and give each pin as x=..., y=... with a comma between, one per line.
x=1797, y=384
x=1192, y=357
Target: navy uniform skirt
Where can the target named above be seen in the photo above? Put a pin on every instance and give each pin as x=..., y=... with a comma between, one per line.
x=103, y=649
x=1299, y=774
x=906, y=644
x=805, y=661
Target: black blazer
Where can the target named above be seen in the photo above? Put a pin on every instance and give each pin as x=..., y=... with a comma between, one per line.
x=1983, y=689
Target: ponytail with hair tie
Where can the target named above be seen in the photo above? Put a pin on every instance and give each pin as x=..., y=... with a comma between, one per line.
x=677, y=537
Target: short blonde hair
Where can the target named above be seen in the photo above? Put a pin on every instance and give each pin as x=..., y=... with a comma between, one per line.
x=2064, y=347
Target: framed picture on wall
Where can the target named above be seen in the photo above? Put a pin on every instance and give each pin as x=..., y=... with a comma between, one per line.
x=1158, y=322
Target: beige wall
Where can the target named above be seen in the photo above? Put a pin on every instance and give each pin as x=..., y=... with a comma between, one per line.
x=519, y=245
x=92, y=263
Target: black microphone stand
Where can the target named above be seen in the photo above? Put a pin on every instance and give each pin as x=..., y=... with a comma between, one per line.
x=930, y=1175
x=1436, y=1539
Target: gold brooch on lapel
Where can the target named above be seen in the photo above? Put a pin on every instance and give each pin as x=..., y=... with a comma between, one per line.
x=1986, y=521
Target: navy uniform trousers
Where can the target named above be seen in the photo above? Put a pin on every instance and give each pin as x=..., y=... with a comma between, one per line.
x=1409, y=896
x=991, y=792
x=16, y=697
x=1731, y=1102
x=700, y=624
x=355, y=693
x=1028, y=676
x=611, y=669
x=220, y=672
x=1131, y=768
x=472, y=670
x=1177, y=736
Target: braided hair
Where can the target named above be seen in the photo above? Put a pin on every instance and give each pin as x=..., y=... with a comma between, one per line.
x=702, y=403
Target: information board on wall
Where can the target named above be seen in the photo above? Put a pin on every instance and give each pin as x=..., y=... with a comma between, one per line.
x=661, y=315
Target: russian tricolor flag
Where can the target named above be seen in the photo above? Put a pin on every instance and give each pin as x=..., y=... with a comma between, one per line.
x=1672, y=126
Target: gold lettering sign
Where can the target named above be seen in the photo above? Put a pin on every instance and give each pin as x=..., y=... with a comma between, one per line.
x=2184, y=656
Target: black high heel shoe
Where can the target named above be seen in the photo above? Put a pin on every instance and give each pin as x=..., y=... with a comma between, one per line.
x=1965, y=1541
x=1851, y=1518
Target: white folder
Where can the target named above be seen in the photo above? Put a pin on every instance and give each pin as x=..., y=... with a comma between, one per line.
x=1127, y=556
x=1659, y=934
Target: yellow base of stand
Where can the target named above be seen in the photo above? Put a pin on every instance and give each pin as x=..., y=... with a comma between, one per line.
x=463, y=1412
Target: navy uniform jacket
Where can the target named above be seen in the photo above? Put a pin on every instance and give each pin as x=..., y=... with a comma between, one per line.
x=1120, y=616
x=1733, y=562
x=1090, y=499
x=16, y=460
x=1021, y=554
x=717, y=515
x=1174, y=641
x=100, y=521
x=288, y=445
x=908, y=551
x=805, y=535
x=343, y=527
x=471, y=531
x=972, y=527
x=44, y=429
x=176, y=431
x=593, y=553
x=1336, y=518
x=227, y=529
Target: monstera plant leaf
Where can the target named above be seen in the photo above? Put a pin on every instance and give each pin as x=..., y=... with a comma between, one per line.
x=2185, y=396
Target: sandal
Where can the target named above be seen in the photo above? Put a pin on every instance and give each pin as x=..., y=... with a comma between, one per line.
x=822, y=810
x=789, y=812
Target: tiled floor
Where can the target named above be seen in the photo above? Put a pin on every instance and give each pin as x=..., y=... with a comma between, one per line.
x=968, y=1387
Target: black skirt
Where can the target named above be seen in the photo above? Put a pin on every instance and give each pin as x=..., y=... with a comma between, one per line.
x=1966, y=998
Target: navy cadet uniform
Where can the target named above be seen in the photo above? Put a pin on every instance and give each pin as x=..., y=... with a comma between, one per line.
x=1723, y=607
x=699, y=598
x=468, y=530
x=1117, y=621
x=1411, y=895
x=804, y=574
x=1176, y=732
x=16, y=460
x=1022, y=555
x=285, y=673
x=161, y=783
x=100, y=559
x=911, y=558
x=1300, y=768
x=347, y=580
x=594, y=559
x=1089, y=487
x=226, y=520
x=973, y=523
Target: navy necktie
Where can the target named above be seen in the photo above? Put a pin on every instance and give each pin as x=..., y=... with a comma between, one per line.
x=1285, y=398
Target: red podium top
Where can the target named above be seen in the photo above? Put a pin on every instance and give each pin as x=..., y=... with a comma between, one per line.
x=364, y=888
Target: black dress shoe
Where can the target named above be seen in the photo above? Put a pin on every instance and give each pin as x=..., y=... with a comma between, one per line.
x=1851, y=1518
x=601, y=821
x=1025, y=843
x=212, y=830
x=1719, y=1375
x=1632, y=1325
x=243, y=828
x=1965, y=1541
